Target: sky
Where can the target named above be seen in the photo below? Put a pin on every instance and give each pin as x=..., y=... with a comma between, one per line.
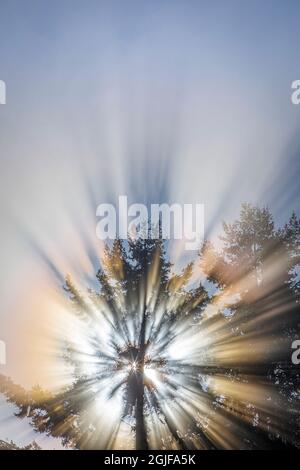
x=164, y=101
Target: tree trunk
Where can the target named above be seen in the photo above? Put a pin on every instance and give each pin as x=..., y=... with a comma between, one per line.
x=141, y=432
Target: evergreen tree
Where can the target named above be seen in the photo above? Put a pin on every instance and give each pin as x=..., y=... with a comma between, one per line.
x=142, y=309
x=142, y=302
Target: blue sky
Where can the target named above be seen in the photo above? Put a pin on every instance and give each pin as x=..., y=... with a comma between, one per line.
x=162, y=101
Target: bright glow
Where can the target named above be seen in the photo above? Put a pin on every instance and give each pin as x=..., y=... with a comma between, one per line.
x=152, y=375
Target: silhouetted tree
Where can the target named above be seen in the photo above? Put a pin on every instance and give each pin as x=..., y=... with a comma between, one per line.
x=141, y=300
x=139, y=311
x=12, y=446
x=256, y=276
